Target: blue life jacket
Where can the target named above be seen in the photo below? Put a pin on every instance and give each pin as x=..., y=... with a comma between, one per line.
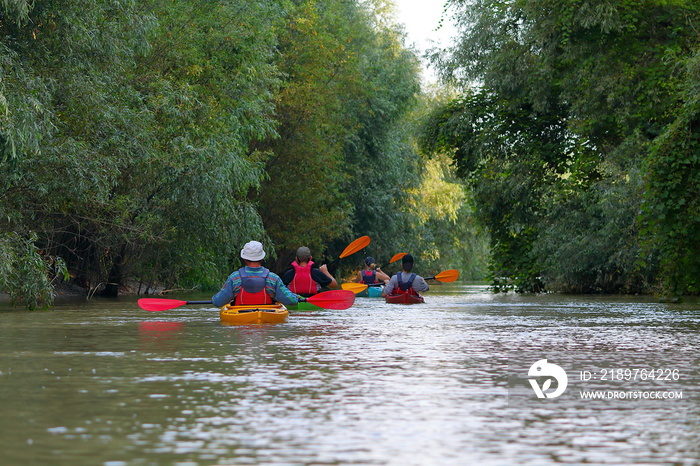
x=407, y=286
x=369, y=278
x=253, y=289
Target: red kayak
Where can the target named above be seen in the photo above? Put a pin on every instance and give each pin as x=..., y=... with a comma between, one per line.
x=404, y=298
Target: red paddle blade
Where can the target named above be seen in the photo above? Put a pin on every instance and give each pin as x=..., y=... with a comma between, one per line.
x=335, y=299
x=358, y=244
x=158, y=304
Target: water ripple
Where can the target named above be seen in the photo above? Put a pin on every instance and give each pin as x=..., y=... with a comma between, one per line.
x=430, y=384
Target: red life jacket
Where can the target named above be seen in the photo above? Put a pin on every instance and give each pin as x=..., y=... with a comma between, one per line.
x=303, y=283
x=253, y=289
x=405, y=287
x=369, y=277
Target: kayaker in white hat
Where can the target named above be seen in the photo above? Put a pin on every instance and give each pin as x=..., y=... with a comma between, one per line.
x=253, y=283
x=305, y=277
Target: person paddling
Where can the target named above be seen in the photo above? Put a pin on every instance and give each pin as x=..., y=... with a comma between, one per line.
x=372, y=273
x=306, y=278
x=405, y=281
x=254, y=284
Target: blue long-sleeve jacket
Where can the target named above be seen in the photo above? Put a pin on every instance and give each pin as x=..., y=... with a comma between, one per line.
x=273, y=287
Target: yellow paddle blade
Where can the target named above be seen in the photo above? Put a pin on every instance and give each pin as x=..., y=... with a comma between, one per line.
x=448, y=276
x=354, y=287
x=397, y=257
x=357, y=245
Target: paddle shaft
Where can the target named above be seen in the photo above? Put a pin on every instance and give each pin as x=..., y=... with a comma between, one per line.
x=333, y=263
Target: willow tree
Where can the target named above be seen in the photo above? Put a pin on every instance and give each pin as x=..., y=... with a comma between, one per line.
x=671, y=205
x=302, y=203
x=569, y=98
x=127, y=131
x=208, y=84
x=348, y=82
x=383, y=164
x=54, y=179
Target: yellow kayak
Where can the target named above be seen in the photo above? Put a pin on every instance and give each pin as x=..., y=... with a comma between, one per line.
x=254, y=314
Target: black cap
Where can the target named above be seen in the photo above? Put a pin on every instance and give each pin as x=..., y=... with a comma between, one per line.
x=407, y=258
x=369, y=261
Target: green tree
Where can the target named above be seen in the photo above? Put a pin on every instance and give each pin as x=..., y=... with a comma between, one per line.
x=382, y=163
x=343, y=153
x=671, y=208
x=127, y=133
x=509, y=154
x=135, y=138
x=26, y=273
x=574, y=93
x=302, y=203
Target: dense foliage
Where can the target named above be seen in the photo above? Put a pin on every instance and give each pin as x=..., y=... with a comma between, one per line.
x=143, y=143
x=671, y=205
x=126, y=130
x=349, y=82
x=576, y=116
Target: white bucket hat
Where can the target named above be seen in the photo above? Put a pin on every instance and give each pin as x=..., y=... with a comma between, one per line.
x=253, y=251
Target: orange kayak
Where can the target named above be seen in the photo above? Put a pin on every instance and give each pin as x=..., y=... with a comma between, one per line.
x=254, y=314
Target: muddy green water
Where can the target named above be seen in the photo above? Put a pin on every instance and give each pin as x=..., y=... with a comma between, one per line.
x=443, y=383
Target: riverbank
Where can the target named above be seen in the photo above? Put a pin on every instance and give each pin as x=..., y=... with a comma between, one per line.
x=71, y=291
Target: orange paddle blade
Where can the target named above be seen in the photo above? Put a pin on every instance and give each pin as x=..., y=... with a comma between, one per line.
x=448, y=276
x=157, y=304
x=354, y=287
x=357, y=245
x=397, y=257
x=394, y=259
x=334, y=299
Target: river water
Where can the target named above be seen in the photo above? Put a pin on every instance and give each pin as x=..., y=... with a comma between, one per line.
x=447, y=382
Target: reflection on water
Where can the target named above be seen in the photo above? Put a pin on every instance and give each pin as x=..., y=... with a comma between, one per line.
x=160, y=335
x=438, y=383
